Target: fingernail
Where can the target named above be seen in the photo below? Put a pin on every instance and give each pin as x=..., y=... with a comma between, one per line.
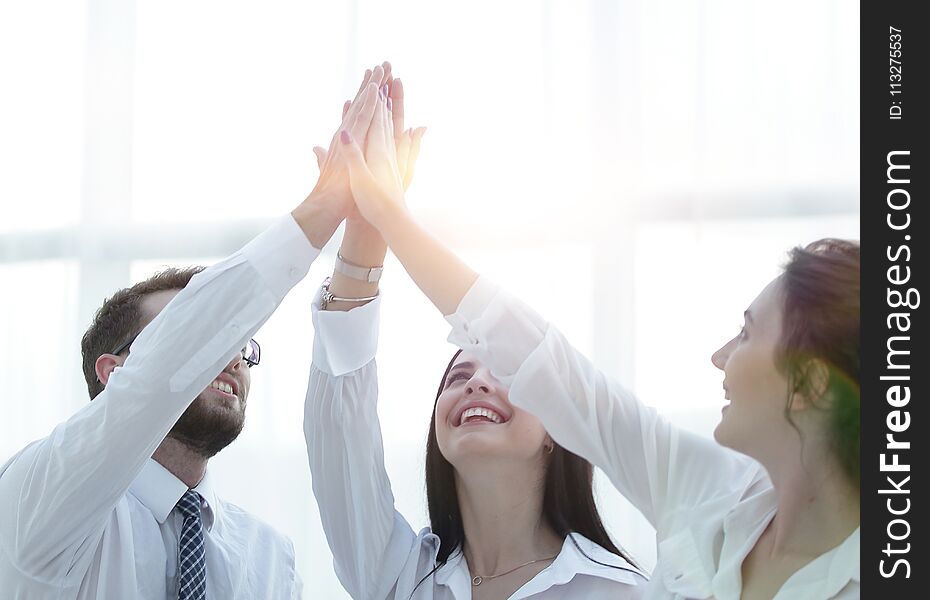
x=345, y=137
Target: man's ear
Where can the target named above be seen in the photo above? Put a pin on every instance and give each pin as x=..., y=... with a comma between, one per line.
x=105, y=365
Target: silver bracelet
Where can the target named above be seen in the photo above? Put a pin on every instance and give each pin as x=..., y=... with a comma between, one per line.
x=366, y=274
x=326, y=296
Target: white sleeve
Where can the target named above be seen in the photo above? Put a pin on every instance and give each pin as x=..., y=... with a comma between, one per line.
x=655, y=465
x=298, y=592
x=57, y=493
x=369, y=539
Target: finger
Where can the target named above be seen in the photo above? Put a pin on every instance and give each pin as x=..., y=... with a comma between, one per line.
x=403, y=154
x=413, y=155
x=388, y=85
x=377, y=140
x=411, y=159
x=347, y=113
x=397, y=107
x=373, y=75
x=362, y=120
x=359, y=175
x=390, y=150
x=389, y=128
x=386, y=68
x=377, y=78
x=377, y=75
x=320, y=156
x=385, y=113
x=365, y=81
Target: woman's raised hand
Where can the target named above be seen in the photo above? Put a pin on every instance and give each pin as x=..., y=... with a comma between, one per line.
x=333, y=180
x=375, y=174
x=407, y=141
x=333, y=174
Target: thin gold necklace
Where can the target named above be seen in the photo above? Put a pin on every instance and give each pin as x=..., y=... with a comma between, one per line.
x=477, y=579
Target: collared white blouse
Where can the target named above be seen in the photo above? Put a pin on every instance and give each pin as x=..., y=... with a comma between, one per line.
x=708, y=504
x=376, y=553
x=86, y=514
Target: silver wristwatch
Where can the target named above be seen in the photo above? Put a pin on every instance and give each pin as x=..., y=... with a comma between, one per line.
x=367, y=274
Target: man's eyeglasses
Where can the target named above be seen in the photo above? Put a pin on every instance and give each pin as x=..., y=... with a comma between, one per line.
x=251, y=354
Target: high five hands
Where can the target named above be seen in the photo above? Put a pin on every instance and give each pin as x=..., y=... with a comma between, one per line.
x=379, y=99
x=378, y=178
x=374, y=173
x=363, y=177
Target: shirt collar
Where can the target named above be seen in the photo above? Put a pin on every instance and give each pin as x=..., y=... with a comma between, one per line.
x=454, y=573
x=159, y=490
x=847, y=555
x=823, y=577
x=575, y=558
x=581, y=556
x=828, y=573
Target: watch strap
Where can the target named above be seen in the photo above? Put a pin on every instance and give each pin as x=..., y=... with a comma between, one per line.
x=358, y=272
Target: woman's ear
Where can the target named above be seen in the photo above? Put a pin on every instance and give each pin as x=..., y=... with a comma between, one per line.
x=548, y=445
x=811, y=384
x=105, y=365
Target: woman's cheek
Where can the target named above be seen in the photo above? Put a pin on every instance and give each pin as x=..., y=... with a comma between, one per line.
x=443, y=406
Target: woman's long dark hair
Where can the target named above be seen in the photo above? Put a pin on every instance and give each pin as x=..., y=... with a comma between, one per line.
x=568, y=497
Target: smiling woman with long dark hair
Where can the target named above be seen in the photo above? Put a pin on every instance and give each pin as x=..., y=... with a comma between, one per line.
x=568, y=504
x=512, y=513
x=509, y=509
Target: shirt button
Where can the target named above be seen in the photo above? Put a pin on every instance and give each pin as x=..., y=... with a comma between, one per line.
x=293, y=272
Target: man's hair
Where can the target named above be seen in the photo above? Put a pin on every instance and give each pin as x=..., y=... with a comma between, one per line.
x=121, y=317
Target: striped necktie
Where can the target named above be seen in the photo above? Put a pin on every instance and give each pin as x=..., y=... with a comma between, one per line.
x=192, y=568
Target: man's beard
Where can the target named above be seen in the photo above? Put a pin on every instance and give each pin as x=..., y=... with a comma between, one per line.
x=207, y=427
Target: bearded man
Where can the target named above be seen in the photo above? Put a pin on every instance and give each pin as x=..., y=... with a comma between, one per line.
x=117, y=502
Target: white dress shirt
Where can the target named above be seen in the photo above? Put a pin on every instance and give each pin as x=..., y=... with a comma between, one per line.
x=708, y=504
x=376, y=553
x=86, y=513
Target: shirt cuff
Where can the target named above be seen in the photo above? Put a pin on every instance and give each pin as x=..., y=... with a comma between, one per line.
x=497, y=328
x=473, y=305
x=282, y=255
x=345, y=341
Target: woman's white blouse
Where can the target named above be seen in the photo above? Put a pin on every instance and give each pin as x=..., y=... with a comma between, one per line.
x=376, y=553
x=708, y=504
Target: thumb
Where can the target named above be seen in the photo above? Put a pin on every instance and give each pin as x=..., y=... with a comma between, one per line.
x=320, y=156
